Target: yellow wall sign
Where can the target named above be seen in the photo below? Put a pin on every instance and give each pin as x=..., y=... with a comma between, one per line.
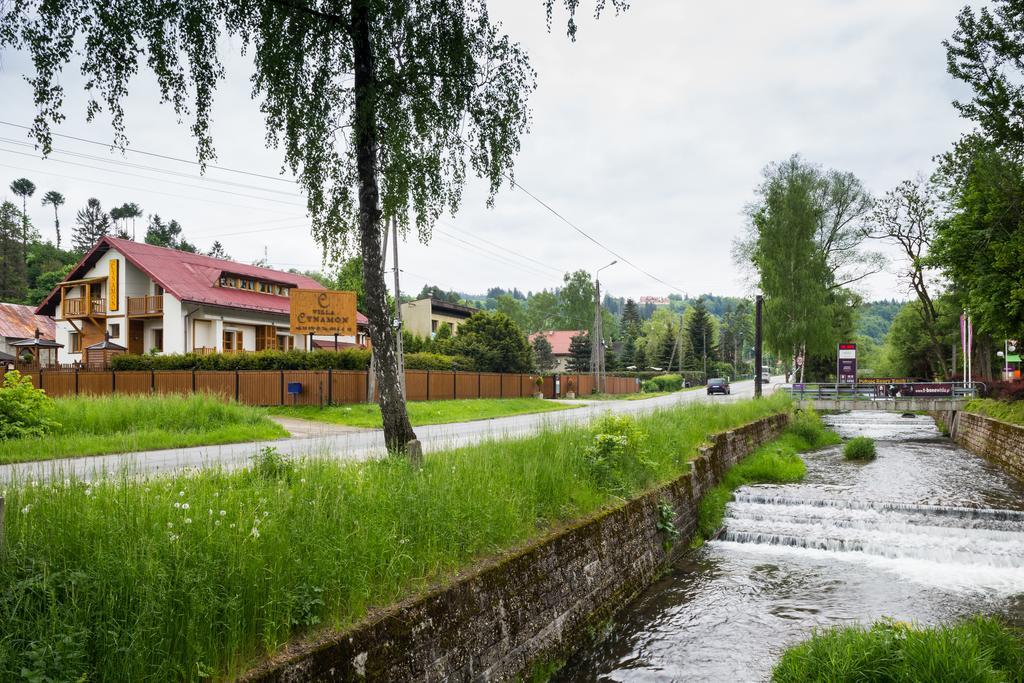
x=112, y=293
x=322, y=311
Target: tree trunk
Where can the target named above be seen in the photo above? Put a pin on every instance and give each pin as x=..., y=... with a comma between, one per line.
x=397, y=429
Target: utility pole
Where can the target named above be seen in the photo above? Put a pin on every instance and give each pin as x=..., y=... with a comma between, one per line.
x=400, y=343
x=758, y=340
x=597, y=343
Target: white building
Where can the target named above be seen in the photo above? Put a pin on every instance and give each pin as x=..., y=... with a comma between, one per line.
x=154, y=299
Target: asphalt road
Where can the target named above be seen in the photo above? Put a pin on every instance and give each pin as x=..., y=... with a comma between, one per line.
x=350, y=445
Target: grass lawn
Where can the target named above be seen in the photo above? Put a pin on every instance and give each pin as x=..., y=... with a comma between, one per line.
x=639, y=396
x=119, y=424
x=185, y=576
x=421, y=412
x=1012, y=412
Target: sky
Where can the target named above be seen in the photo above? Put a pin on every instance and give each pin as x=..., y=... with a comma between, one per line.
x=649, y=133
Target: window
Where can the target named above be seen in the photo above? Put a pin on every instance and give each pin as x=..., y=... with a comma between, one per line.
x=158, y=340
x=74, y=342
x=115, y=330
x=285, y=342
x=433, y=326
x=232, y=340
x=157, y=290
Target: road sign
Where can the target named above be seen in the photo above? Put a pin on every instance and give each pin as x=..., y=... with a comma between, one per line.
x=846, y=370
x=322, y=311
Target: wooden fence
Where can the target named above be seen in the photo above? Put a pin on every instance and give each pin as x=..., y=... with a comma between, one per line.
x=315, y=387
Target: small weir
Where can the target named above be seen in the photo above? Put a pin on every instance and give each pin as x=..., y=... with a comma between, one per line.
x=926, y=532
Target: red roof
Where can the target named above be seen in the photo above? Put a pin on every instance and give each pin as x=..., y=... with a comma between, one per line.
x=21, y=322
x=559, y=340
x=194, y=277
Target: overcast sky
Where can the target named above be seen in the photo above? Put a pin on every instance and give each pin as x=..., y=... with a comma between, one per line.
x=649, y=133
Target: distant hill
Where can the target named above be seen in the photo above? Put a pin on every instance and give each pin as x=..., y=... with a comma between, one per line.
x=875, y=318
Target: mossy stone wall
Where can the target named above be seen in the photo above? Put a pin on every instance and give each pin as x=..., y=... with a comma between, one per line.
x=495, y=621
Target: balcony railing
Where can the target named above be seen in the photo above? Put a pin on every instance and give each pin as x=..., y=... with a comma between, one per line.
x=146, y=305
x=81, y=307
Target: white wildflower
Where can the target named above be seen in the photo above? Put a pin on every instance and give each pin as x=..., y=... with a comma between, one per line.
x=232, y=526
x=222, y=513
x=170, y=525
x=216, y=522
x=188, y=520
x=255, y=532
x=177, y=505
x=88, y=492
x=209, y=513
x=266, y=514
x=184, y=506
x=181, y=494
x=25, y=509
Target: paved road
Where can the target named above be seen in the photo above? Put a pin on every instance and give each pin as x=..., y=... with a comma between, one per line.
x=328, y=441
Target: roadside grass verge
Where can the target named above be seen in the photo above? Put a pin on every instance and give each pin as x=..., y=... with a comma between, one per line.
x=978, y=649
x=421, y=412
x=1006, y=411
x=639, y=396
x=119, y=424
x=777, y=462
x=184, y=576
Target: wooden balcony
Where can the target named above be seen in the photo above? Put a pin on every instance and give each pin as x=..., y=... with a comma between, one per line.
x=146, y=306
x=83, y=308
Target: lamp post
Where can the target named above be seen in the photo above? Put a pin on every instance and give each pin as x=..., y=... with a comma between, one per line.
x=597, y=342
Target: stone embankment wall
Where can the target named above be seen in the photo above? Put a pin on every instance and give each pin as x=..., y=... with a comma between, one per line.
x=499, y=619
x=1000, y=442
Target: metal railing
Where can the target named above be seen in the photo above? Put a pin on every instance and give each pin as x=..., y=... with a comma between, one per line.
x=879, y=392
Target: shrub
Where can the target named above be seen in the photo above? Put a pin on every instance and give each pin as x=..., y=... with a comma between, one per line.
x=859, y=448
x=616, y=454
x=269, y=463
x=347, y=359
x=24, y=410
x=663, y=383
x=979, y=649
x=436, y=361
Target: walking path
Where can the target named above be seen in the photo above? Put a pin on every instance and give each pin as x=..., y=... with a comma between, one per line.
x=318, y=439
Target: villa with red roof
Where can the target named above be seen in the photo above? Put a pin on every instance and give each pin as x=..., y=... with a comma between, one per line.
x=154, y=299
x=559, y=340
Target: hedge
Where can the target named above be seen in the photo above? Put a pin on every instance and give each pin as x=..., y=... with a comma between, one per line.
x=347, y=359
x=663, y=383
x=437, y=361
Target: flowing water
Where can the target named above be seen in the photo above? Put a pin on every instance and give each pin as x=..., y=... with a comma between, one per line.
x=926, y=532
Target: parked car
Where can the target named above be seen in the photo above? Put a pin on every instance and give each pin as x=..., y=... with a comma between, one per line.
x=766, y=377
x=718, y=385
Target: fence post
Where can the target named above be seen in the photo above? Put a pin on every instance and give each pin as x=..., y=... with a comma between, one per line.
x=428, y=385
x=282, y=389
x=501, y=385
x=152, y=381
x=193, y=380
x=113, y=382
x=330, y=386
x=76, y=382
x=236, y=386
x=479, y=384
x=455, y=384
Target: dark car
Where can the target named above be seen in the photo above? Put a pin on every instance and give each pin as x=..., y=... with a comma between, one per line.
x=718, y=385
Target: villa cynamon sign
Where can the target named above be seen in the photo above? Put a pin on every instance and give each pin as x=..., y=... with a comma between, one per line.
x=322, y=311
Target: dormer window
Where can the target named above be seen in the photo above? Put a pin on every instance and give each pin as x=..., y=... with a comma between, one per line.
x=253, y=285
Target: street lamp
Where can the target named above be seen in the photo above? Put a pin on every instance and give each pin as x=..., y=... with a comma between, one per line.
x=597, y=343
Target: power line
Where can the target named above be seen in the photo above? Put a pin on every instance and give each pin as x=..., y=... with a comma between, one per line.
x=503, y=248
x=592, y=239
x=158, y=156
x=136, y=189
x=144, y=167
x=159, y=180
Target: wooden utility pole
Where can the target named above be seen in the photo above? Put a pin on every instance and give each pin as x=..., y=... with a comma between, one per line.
x=758, y=340
x=595, y=341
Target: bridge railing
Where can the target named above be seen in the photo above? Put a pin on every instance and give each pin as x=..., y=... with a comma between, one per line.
x=881, y=392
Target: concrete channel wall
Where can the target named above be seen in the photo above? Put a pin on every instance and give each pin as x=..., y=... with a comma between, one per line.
x=1000, y=442
x=499, y=619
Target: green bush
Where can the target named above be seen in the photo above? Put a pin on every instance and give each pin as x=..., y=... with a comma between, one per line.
x=859, y=448
x=24, y=410
x=808, y=426
x=436, y=361
x=347, y=359
x=979, y=649
x=663, y=383
x=616, y=456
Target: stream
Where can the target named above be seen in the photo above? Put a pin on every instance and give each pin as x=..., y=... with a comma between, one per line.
x=926, y=532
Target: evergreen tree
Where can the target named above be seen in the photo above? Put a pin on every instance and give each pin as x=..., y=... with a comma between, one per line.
x=13, y=278
x=579, y=353
x=56, y=200
x=701, y=335
x=640, y=359
x=543, y=357
x=217, y=251
x=628, y=355
x=93, y=224
x=162, y=234
x=24, y=188
x=494, y=343
x=667, y=349
x=631, y=321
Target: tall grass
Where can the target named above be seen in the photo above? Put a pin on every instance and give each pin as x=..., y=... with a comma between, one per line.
x=176, y=578
x=1007, y=411
x=777, y=462
x=422, y=412
x=114, y=424
x=979, y=649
